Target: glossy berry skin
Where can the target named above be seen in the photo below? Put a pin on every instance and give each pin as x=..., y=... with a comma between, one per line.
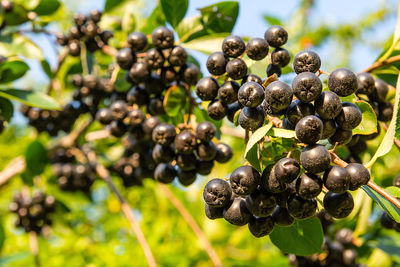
x=237, y=213
x=164, y=134
x=228, y=92
x=301, y=208
x=104, y=116
x=337, y=179
x=217, y=193
x=276, y=36
x=280, y=57
x=233, y=46
x=338, y=205
x=282, y=217
x=307, y=87
x=328, y=105
x=216, y=110
x=213, y=213
x=271, y=182
x=315, y=158
x=251, y=94
x=260, y=227
x=329, y=128
x=273, y=69
x=205, y=131
x=204, y=167
x=251, y=118
x=162, y=153
x=224, y=153
x=344, y=236
x=380, y=92
x=187, y=178
x=185, y=142
x=186, y=162
x=236, y=68
x=125, y=58
x=206, y=151
x=343, y=82
x=232, y=109
x=278, y=95
x=350, y=116
x=177, y=56
x=257, y=48
x=252, y=78
x=137, y=95
x=385, y=111
x=119, y=110
x=387, y=222
x=309, y=129
x=308, y=185
x=396, y=181
x=366, y=83
x=189, y=73
x=359, y=175
x=154, y=58
x=298, y=110
x=139, y=72
x=207, y=88
x=286, y=170
x=341, y=136
x=164, y=173
x=261, y=203
x=136, y=117
x=216, y=63
x=244, y=180
x=162, y=38
x=306, y=61
x=137, y=41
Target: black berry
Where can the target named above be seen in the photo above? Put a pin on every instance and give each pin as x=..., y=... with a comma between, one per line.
x=216, y=63
x=306, y=61
x=338, y=205
x=315, y=158
x=251, y=94
x=257, y=48
x=307, y=86
x=217, y=193
x=343, y=82
x=244, y=180
x=233, y=46
x=337, y=179
x=276, y=36
x=308, y=185
x=328, y=105
x=359, y=175
x=309, y=129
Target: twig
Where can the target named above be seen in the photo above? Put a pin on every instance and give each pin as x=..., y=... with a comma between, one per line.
x=71, y=138
x=235, y=132
x=85, y=67
x=97, y=135
x=336, y=159
x=246, y=137
x=114, y=74
x=396, y=141
x=192, y=223
x=61, y=59
x=103, y=173
x=111, y=51
x=378, y=64
x=34, y=245
x=16, y=165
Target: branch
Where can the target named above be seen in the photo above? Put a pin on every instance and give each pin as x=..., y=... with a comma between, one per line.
x=378, y=64
x=104, y=174
x=34, y=245
x=192, y=223
x=16, y=166
x=111, y=51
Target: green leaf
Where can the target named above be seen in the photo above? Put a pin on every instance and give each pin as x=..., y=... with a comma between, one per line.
x=2, y=235
x=280, y=132
x=368, y=122
x=396, y=37
x=220, y=17
x=31, y=98
x=174, y=100
x=155, y=19
x=252, y=158
x=36, y=158
x=207, y=44
x=271, y=20
x=394, y=191
x=257, y=136
x=174, y=10
x=16, y=44
x=7, y=108
x=388, y=74
x=12, y=69
x=383, y=203
x=110, y=4
x=47, y=7
x=304, y=237
x=46, y=68
x=188, y=27
x=129, y=21
x=18, y=16
x=392, y=132
x=236, y=117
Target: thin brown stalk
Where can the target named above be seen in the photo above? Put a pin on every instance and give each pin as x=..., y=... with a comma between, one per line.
x=34, y=245
x=111, y=51
x=192, y=223
x=378, y=64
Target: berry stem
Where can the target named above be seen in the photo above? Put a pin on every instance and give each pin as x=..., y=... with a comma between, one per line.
x=104, y=174
x=192, y=223
x=34, y=245
x=246, y=137
x=111, y=51
x=377, y=65
x=396, y=141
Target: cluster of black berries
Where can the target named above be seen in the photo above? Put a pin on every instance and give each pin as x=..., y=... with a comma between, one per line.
x=154, y=71
x=33, y=212
x=72, y=176
x=53, y=121
x=374, y=91
x=6, y=6
x=280, y=194
x=339, y=252
x=230, y=96
x=85, y=31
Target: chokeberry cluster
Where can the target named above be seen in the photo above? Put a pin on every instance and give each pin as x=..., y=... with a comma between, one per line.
x=72, y=176
x=87, y=32
x=33, y=212
x=339, y=252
